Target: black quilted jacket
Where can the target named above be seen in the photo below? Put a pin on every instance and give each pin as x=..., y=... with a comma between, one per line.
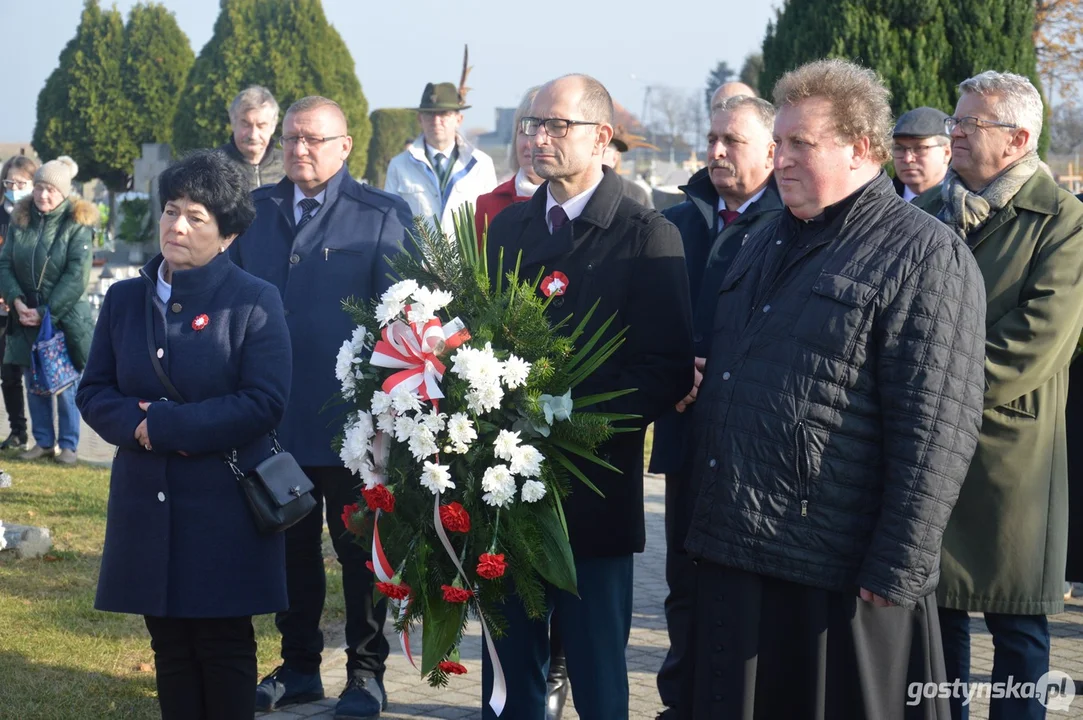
x=842, y=401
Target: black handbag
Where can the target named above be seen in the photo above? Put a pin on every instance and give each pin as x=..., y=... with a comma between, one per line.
x=278, y=491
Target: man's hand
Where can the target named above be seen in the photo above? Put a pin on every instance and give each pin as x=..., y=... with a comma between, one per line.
x=690, y=398
x=877, y=601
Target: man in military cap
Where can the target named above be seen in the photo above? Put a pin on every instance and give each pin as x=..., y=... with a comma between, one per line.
x=440, y=171
x=921, y=151
x=622, y=142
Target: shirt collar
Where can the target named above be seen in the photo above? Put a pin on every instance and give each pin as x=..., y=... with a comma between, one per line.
x=163, y=288
x=908, y=194
x=433, y=151
x=298, y=196
x=573, y=206
x=747, y=203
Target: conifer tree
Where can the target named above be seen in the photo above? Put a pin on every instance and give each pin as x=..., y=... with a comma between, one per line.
x=157, y=58
x=391, y=128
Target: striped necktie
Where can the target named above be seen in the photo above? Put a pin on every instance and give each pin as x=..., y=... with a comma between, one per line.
x=308, y=211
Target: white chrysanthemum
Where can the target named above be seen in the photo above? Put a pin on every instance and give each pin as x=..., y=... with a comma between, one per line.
x=355, y=444
x=436, y=478
x=344, y=363
x=400, y=292
x=371, y=477
x=361, y=339
x=387, y=312
x=533, y=491
x=499, y=485
x=404, y=400
x=526, y=461
x=462, y=433
x=385, y=423
x=485, y=398
x=381, y=403
x=434, y=421
x=426, y=303
x=514, y=372
x=422, y=442
x=479, y=367
x=404, y=427
x=505, y=444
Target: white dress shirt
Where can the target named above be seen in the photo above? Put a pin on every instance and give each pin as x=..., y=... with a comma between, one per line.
x=754, y=198
x=163, y=288
x=908, y=194
x=573, y=206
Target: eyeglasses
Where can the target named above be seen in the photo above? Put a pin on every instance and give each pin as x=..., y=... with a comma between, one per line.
x=17, y=184
x=554, y=127
x=970, y=124
x=918, y=151
x=309, y=141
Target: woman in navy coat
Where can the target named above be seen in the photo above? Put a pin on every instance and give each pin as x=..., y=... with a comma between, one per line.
x=181, y=545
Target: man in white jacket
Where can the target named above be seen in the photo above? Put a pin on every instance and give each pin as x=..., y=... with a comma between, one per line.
x=440, y=171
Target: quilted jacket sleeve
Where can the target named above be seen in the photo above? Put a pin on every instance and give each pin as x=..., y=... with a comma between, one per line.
x=930, y=345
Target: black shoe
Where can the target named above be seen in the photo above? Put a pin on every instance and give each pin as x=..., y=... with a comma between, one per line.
x=287, y=687
x=557, y=693
x=15, y=441
x=362, y=699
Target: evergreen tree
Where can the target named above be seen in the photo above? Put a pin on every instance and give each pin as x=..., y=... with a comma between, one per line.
x=82, y=110
x=720, y=75
x=391, y=128
x=287, y=46
x=751, y=70
x=157, y=58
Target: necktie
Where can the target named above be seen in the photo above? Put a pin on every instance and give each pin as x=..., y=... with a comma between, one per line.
x=440, y=161
x=728, y=216
x=308, y=211
x=557, y=218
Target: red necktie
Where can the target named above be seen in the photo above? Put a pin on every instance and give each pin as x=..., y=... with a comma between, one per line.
x=728, y=216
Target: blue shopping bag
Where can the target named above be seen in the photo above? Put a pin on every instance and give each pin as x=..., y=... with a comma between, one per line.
x=50, y=362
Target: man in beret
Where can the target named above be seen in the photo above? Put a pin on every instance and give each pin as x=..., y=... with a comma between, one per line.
x=921, y=151
x=441, y=171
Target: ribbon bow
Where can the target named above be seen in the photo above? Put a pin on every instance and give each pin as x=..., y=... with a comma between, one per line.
x=416, y=349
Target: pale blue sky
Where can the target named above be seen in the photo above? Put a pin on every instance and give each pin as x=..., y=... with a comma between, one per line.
x=513, y=45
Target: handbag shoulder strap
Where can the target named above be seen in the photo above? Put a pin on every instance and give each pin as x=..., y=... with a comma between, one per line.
x=170, y=388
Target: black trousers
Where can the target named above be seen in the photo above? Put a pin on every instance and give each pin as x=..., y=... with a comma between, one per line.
x=675, y=677
x=206, y=667
x=11, y=386
x=306, y=583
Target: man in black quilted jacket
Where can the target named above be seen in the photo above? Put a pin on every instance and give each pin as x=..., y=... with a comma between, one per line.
x=837, y=417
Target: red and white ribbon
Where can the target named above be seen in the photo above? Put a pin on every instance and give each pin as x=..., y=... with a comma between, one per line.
x=500, y=689
x=416, y=349
x=385, y=573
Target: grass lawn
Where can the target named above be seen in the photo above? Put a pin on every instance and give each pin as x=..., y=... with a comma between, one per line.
x=59, y=657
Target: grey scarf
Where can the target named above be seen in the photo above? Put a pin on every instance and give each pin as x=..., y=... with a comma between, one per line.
x=966, y=212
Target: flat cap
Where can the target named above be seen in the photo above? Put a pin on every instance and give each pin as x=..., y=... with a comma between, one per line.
x=921, y=122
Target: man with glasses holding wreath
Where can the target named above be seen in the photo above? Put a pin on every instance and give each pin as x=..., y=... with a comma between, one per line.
x=595, y=245
x=1005, y=545
x=920, y=150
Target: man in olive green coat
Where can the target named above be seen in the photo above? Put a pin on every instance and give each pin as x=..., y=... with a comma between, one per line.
x=1004, y=547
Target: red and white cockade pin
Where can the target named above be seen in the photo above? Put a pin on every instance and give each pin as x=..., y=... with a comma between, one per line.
x=555, y=284
x=200, y=322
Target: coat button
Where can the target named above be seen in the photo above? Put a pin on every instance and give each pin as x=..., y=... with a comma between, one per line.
x=558, y=302
x=778, y=242
x=294, y=259
x=767, y=308
x=697, y=337
x=176, y=307
x=161, y=353
x=161, y=497
x=712, y=463
x=726, y=375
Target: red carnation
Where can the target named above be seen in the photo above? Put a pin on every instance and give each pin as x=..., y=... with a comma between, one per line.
x=455, y=518
x=379, y=498
x=456, y=595
x=348, y=511
x=393, y=591
x=491, y=566
x=451, y=668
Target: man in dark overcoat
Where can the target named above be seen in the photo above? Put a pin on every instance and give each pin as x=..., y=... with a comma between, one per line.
x=838, y=413
x=728, y=201
x=595, y=245
x=320, y=237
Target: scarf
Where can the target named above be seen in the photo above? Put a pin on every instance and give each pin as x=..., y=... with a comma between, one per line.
x=966, y=212
x=523, y=187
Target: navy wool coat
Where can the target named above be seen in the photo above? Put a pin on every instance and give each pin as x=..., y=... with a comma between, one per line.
x=338, y=254
x=180, y=540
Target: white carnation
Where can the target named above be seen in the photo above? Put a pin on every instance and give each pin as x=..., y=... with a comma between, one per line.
x=514, y=372
x=381, y=402
x=505, y=444
x=526, y=461
x=533, y=491
x=462, y=433
x=436, y=478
